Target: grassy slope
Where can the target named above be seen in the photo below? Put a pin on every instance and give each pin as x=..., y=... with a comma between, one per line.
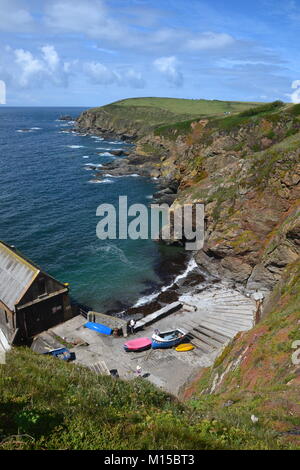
x=48, y=404
x=264, y=381
x=240, y=116
x=185, y=106
x=147, y=113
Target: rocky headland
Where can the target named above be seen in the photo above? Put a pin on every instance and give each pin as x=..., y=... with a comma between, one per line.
x=245, y=169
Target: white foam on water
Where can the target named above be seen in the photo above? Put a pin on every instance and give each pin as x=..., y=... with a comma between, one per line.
x=149, y=298
x=91, y=166
x=146, y=299
x=121, y=176
x=75, y=146
x=105, y=154
x=100, y=181
x=96, y=165
x=190, y=267
x=85, y=156
x=35, y=128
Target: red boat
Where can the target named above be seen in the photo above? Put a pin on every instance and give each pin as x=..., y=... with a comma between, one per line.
x=138, y=344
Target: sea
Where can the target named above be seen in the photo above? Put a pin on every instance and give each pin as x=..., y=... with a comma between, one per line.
x=48, y=203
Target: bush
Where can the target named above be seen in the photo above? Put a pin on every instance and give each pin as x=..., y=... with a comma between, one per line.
x=265, y=108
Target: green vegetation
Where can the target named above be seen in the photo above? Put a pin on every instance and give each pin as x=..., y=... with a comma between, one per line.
x=225, y=123
x=187, y=107
x=265, y=108
x=145, y=114
x=231, y=122
x=295, y=110
x=264, y=381
x=48, y=404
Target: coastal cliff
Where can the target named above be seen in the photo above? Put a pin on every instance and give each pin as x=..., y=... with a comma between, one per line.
x=245, y=168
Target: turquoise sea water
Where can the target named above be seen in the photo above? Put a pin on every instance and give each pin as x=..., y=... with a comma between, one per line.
x=48, y=209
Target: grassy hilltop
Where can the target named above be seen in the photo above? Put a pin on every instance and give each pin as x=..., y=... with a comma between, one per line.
x=137, y=116
x=186, y=107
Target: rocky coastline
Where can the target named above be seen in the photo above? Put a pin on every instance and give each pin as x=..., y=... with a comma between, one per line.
x=247, y=180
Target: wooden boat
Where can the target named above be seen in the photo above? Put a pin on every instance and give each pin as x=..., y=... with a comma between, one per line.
x=138, y=344
x=103, y=329
x=167, y=339
x=184, y=347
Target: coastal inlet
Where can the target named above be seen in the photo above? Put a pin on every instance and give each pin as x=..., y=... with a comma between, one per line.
x=48, y=209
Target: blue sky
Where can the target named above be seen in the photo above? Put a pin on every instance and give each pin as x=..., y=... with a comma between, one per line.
x=92, y=52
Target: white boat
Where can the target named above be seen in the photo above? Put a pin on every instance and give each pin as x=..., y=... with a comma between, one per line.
x=168, y=339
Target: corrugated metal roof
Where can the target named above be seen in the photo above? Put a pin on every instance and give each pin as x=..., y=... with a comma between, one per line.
x=16, y=275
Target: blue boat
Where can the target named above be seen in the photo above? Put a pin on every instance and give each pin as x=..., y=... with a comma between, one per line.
x=167, y=339
x=61, y=353
x=103, y=329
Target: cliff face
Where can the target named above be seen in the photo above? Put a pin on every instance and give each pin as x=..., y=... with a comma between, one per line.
x=246, y=170
x=247, y=174
x=244, y=167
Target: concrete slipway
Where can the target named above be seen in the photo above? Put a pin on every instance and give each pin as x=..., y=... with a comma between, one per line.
x=212, y=318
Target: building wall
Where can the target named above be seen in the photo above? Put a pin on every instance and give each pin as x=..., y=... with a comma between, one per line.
x=42, y=315
x=6, y=321
x=42, y=285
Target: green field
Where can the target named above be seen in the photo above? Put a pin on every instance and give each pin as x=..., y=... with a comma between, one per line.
x=187, y=107
x=146, y=114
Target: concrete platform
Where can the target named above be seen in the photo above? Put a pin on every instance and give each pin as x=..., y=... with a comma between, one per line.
x=212, y=318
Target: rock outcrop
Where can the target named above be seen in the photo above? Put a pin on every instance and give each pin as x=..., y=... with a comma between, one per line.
x=250, y=188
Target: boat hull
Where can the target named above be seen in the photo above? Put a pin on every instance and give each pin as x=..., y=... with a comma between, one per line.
x=167, y=339
x=139, y=344
x=165, y=344
x=184, y=347
x=98, y=327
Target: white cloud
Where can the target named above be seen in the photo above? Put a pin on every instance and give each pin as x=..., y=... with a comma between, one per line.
x=89, y=17
x=99, y=20
x=15, y=17
x=29, y=67
x=134, y=79
x=295, y=96
x=100, y=74
x=22, y=69
x=209, y=40
x=168, y=66
x=296, y=84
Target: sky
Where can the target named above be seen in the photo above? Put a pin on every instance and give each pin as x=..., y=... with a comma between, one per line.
x=93, y=52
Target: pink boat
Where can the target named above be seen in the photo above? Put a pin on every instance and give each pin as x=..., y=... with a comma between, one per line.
x=138, y=344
